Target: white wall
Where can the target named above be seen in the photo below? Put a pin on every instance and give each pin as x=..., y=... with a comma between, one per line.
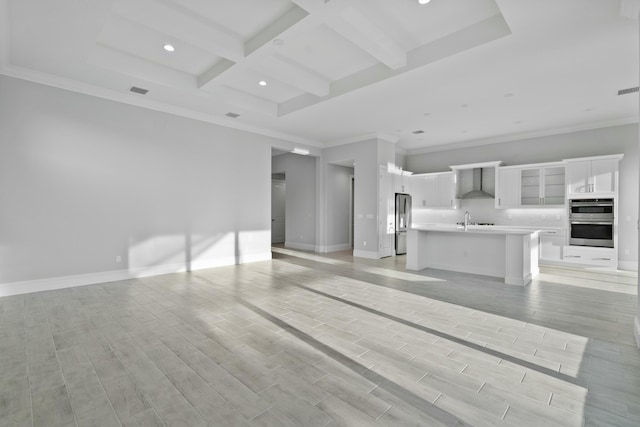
x=84, y=180
x=338, y=200
x=300, y=178
x=612, y=140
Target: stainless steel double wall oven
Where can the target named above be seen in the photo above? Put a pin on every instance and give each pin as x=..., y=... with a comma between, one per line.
x=591, y=222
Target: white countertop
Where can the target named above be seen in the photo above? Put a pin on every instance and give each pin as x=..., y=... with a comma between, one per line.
x=484, y=229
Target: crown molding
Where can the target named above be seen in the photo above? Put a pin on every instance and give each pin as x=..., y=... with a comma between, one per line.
x=522, y=136
x=137, y=101
x=364, y=137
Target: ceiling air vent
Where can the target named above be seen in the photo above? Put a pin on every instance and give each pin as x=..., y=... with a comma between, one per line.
x=630, y=90
x=138, y=90
x=232, y=115
x=417, y=132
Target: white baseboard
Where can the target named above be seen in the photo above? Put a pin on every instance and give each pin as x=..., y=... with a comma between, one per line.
x=636, y=330
x=300, y=246
x=628, y=265
x=333, y=248
x=365, y=254
x=518, y=281
x=49, y=284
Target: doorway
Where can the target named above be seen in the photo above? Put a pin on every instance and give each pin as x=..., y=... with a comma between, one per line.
x=278, y=207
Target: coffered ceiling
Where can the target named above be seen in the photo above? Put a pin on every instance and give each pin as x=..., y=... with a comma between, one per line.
x=325, y=72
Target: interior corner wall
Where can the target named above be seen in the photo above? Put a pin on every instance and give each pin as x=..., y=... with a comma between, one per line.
x=94, y=190
x=338, y=194
x=300, y=212
x=596, y=142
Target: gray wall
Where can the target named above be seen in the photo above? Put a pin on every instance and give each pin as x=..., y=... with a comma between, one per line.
x=300, y=172
x=365, y=156
x=612, y=140
x=84, y=180
x=338, y=195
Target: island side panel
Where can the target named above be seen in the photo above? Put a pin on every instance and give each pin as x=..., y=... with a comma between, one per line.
x=416, y=242
x=457, y=251
x=521, y=258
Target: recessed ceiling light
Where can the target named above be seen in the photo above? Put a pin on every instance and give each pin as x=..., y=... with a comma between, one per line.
x=518, y=122
x=588, y=110
x=464, y=106
x=508, y=95
x=464, y=131
x=423, y=1
x=168, y=47
x=262, y=83
x=427, y=114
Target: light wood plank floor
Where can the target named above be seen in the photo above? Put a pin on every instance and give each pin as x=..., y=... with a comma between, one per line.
x=306, y=340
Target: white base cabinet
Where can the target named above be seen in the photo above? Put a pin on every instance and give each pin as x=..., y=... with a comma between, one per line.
x=602, y=257
x=552, y=245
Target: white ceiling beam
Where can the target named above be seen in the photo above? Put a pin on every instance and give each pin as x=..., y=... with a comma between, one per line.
x=182, y=24
x=345, y=18
x=214, y=72
x=291, y=73
x=630, y=9
x=285, y=22
x=294, y=22
x=355, y=27
x=124, y=63
x=5, y=33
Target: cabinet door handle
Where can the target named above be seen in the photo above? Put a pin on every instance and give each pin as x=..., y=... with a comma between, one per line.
x=602, y=259
x=573, y=256
x=499, y=201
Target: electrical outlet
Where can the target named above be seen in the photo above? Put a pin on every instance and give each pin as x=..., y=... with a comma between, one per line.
x=364, y=243
x=558, y=217
x=543, y=217
x=627, y=252
x=118, y=259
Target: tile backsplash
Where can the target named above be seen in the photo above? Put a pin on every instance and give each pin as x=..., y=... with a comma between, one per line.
x=483, y=210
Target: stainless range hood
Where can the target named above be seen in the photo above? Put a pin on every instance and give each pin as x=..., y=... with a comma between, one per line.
x=477, y=180
x=478, y=191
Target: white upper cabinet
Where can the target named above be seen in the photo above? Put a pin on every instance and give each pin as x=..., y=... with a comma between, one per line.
x=402, y=182
x=446, y=190
x=531, y=186
x=435, y=190
x=593, y=177
x=542, y=186
x=508, y=188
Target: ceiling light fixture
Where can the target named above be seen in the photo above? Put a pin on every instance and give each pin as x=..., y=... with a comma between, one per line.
x=300, y=151
x=169, y=48
x=423, y=1
x=262, y=83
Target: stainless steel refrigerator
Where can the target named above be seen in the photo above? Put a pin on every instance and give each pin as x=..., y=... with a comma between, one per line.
x=403, y=221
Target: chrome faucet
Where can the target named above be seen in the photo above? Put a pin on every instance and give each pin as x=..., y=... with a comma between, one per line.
x=467, y=217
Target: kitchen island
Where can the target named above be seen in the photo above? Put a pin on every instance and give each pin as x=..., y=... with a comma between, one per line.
x=506, y=252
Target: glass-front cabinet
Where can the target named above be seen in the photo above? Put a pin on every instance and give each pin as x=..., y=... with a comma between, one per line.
x=542, y=186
